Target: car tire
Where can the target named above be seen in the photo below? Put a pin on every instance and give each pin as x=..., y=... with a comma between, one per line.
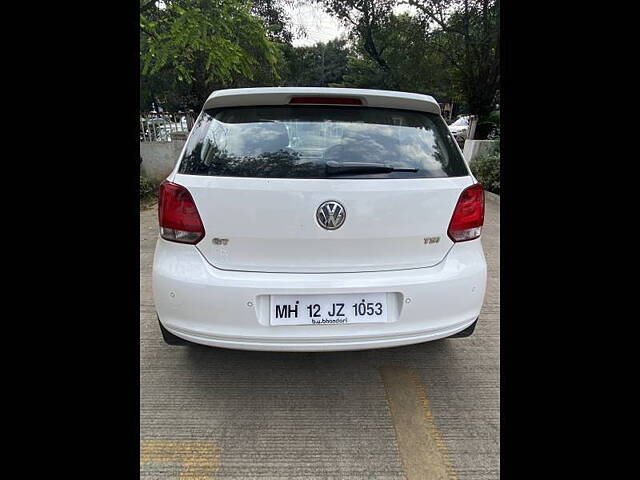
x=170, y=338
x=467, y=332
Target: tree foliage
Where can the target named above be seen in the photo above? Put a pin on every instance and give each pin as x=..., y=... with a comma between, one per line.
x=276, y=19
x=365, y=19
x=450, y=48
x=320, y=65
x=466, y=33
x=410, y=63
x=486, y=168
x=446, y=48
x=193, y=46
x=224, y=33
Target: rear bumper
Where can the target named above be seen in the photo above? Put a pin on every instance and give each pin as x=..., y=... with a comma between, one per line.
x=317, y=346
x=205, y=305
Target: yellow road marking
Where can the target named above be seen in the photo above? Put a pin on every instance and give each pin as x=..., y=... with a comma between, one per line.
x=423, y=453
x=196, y=460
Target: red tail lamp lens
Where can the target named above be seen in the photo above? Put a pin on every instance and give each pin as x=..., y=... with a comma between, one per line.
x=325, y=101
x=468, y=216
x=178, y=215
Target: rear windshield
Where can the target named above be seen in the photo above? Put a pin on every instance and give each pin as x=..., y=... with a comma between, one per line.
x=298, y=141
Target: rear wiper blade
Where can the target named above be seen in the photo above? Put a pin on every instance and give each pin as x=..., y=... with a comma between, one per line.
x=337, y=168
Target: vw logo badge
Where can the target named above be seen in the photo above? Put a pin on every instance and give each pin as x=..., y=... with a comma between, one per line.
x=330, y=215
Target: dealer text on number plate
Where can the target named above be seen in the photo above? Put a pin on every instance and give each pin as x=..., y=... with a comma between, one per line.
x=338, y=309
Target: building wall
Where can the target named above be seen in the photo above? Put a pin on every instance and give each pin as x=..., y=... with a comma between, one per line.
x=159, y=158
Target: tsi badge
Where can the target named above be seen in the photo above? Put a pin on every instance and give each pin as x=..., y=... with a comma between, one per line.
x=429, y=240
x=330, y=215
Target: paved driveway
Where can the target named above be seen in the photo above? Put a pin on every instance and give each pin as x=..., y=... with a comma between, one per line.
x=428, y=411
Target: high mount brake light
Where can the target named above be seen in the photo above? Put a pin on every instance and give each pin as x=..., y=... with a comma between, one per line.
x=468, y=216
x=325, y=101
x=178, y=216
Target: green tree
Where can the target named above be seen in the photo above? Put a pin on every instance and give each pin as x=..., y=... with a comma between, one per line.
x=391, y=51
x=411, y=64
x=365, y=18
x=320, y=65
x=191, y=47
x=467, y=34
x=275, y=19
x=450, y=48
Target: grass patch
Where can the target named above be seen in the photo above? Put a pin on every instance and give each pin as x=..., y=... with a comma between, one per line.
x=148, y=193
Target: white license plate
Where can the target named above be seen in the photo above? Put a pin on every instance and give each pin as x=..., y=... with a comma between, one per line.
x=332, y=309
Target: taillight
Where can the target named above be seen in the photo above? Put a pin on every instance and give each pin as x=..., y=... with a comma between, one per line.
x=325, y=101
x=468, y=216
x=178, y=215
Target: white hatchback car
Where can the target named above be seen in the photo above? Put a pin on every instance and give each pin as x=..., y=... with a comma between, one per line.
x=460, y=128
x=318, y=219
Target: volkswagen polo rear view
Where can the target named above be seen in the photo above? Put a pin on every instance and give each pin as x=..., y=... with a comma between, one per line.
x=319, y=219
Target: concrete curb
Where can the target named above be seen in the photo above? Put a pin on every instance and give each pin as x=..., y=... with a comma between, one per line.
x=493, y=197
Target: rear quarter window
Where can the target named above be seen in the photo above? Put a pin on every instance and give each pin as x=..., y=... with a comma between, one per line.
x=298, y=141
